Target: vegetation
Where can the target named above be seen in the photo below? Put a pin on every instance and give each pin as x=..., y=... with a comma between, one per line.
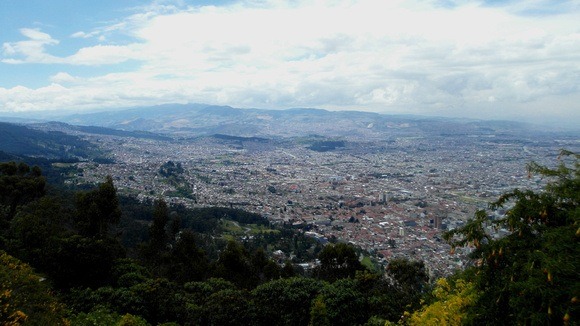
x=93, y=256
x=327, y=145
x=22, y=141
x=529, y=276
x=25, y=297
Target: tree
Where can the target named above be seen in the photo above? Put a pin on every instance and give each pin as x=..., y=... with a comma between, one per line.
x=161, y=304
x=187, y=261
x=19, y=185
x=407, y=275
x=234, y=264
x=102, y=316
x=529, y=276
x=452, y=299
x=409, y=280
x=338, y=261
x=25, y=297
x=158, y=230
x=80, y=261
x=35, y=229
x=318, y=314
x=156, y=251
x=227, y=307
x=285, y=301
x=97, y=209
x=345, y=303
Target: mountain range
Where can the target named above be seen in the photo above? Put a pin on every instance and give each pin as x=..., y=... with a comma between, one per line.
x=200, y=119
x=191, y=120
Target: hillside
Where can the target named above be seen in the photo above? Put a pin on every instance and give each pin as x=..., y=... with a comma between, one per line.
x=23, y=141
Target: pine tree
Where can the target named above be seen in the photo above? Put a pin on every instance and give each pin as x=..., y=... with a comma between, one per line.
x=529, y=276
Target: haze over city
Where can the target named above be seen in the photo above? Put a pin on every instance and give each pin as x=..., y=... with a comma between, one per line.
x=512, y=60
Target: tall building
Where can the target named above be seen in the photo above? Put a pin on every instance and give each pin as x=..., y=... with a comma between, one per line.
x=383, y=198
x=437, y=222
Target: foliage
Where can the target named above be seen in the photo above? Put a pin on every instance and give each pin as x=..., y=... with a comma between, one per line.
x=529, y=276
x=409, y=276
x=98, y=209
x=102, y=316
x=35, y=230
x=25, y=297
x=450, y=306
x=99, y=316
x=338, y=261
x=318, y=313
x=234, y=264
x=20, y=140
x=169, y=169
x=180, y=270
x=345, y=303
x=285, y=301
x=227, y=307
x=80, y=261
x=187, y=262
x=19, y=185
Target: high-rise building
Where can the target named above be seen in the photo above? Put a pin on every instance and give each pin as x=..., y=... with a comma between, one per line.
x=383, y=198
x=437, y=222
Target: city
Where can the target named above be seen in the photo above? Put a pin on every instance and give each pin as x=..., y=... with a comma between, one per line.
x=393, y=199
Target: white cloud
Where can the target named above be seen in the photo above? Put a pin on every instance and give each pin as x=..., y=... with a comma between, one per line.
x=81, y=34
x=31, y=50
x=465, y=58
x=63, y=78
x=103, y=54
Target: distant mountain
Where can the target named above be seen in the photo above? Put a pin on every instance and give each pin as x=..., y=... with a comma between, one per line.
x=192, y=120
x=18, y=140
x=96, y=130
x=200, y=119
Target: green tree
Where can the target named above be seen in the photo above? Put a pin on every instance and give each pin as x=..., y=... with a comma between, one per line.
x=98, y=316
x=234, y=264
x=318, y=314
x=285, y=301
x=407, y=275
x=345, y=303
x=127, y=272
x=227, y=307
x=19, y=185
x=338, y=261
x=36, y=228
x=102, y=316
x=156, y=252
x=98, y=209
x=384, y=301
x=160, y=300
x=25, y=297
x=158, y=230
x=79, y=261
x=529, y=276
x=187, y=262
x=287, y=270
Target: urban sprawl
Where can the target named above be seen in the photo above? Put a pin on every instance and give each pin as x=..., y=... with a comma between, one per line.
x=392, y=198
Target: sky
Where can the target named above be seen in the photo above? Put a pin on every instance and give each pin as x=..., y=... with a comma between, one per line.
x=512, y=60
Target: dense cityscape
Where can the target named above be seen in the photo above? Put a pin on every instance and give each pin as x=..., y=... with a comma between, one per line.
x=393, y=199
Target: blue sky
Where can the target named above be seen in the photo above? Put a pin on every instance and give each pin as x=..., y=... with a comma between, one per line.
x=474, y=59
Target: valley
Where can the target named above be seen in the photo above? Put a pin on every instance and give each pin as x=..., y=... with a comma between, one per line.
x=393, y=197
